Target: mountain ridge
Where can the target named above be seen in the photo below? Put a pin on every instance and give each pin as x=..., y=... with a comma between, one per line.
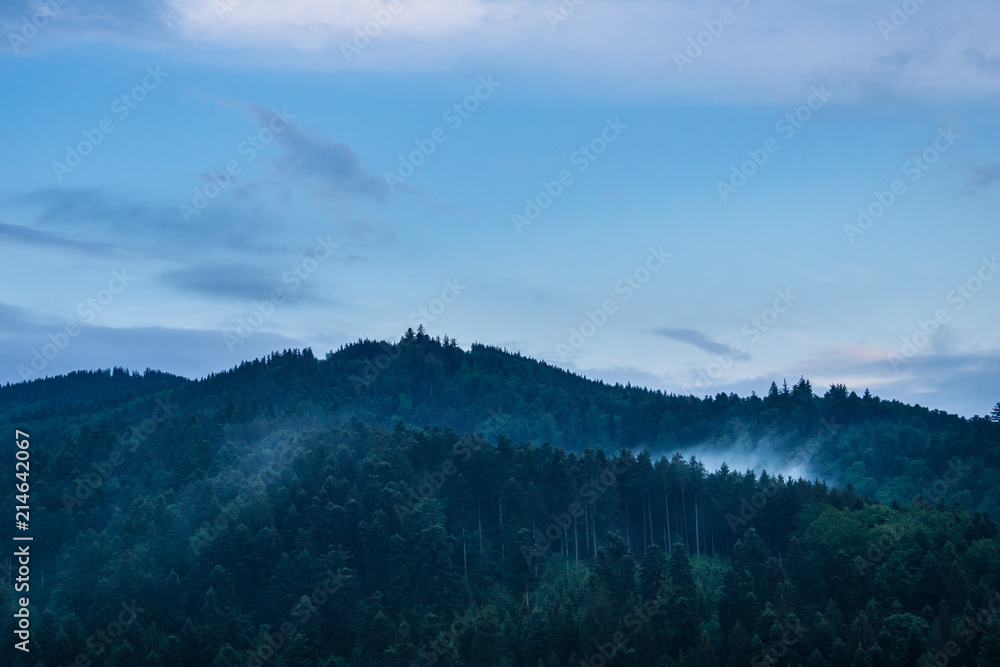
x=289, y=510
x=423, y=381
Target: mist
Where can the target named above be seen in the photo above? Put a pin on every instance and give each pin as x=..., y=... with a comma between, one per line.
x=759, y=456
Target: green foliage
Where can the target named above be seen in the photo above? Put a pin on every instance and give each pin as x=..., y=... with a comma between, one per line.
x=291, y=508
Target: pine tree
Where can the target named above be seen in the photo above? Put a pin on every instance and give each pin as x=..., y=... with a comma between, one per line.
x=772, y=393
x=654, y=585
x=653, y=574
x=738, y=605
x=684, y=605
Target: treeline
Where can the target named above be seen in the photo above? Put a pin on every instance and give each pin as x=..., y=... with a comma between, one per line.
x=81, y=387
x=886, y=449
x=225, y=541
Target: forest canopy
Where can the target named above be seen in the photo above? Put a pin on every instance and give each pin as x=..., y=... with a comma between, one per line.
x=415, y=503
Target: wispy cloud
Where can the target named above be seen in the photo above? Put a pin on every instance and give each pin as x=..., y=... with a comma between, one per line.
x=942, y=50
x=696, y=338
x=186, y=352
x=946, y=380
x=228, y=281
x=983, y=177
x=334, y=167
x=963, y=383
x=34, y=237
x=15, y=320
x=126, y=20
x=330, y=168
x=238, y=281
x=100, y=218
x=96, y=220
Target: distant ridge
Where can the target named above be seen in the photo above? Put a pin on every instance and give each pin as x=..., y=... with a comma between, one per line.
x=886, y=449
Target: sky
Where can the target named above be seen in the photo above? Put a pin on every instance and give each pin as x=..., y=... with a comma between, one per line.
x=698, y=197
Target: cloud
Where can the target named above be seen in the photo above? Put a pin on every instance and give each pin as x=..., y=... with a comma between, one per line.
x=239, y=281
x=61, y=207
x=238, y=248
x=634, y=47
x=96, y=219
x=960, y=382
x=956, y=382
x=187, y=352
x=696, y=338
x=334, y=168
x=28, y=236
x=368, y=231
x=16, y=321
x=983, y=177
x=125, y=20
x=958, y=379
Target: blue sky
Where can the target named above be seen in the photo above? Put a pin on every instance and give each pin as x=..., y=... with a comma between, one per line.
x=654, y=260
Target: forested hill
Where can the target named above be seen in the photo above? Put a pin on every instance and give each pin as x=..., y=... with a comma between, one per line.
x=887, y=450
x=284, y=513
x=82, y=387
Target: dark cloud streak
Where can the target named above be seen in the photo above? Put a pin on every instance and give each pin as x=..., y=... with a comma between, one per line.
x=983, y=177
x=335, y=168
x=695, y=338
x=34, y=237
